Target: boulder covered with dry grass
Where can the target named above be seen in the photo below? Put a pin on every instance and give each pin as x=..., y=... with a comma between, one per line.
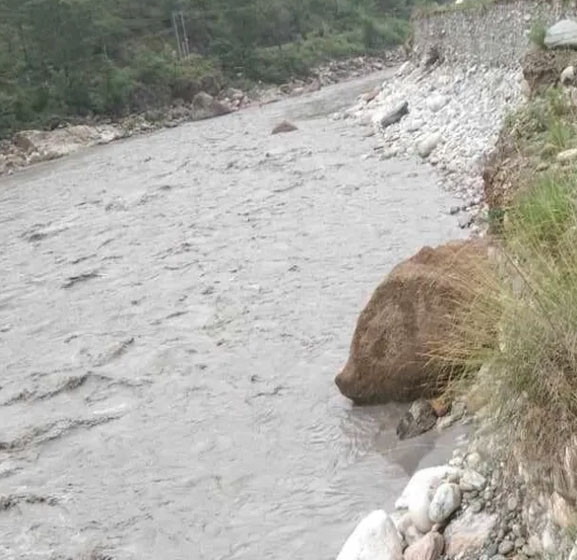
x=409, y=316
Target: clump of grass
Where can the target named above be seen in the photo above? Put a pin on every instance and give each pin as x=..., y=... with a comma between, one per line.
x=544, y=126
x=537, y=34
x=522, y=321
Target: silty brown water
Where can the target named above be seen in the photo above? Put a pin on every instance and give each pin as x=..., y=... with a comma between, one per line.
x=173, y=311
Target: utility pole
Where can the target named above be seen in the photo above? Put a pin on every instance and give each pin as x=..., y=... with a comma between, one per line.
x=185, y=35
x=179, y=26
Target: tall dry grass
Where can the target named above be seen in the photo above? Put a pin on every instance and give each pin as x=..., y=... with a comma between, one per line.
x=521, y=320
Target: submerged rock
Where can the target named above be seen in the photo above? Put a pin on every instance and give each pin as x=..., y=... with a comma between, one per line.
x=374, y=538
x=408, y=316
x=284, y=126
x=420, y=418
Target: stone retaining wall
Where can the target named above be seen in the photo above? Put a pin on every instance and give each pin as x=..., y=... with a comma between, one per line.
x=494, y=34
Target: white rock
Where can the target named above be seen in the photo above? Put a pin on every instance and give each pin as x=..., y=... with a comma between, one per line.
x=374, y=538
x=473, y=459
x=568, y=75
x=418, y=493
x=562, y=34
x=472, y=480
x=437, y=102
x=445, y=502
x=403, y=69
x=573, y=553
x=428, y=144
x=550, y=539
x=414, y=125
x=567, y=155
x=402, y=523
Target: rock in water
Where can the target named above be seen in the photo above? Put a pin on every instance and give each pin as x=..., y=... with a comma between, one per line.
x=420, y=418
x=428, y=144
x=562, y=34
x=283, y=127
x=410, y=314
x=395, y=114
x=445, y=502
x=374, y=538
x=430, y=547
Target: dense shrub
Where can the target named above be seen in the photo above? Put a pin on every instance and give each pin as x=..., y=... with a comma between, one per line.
x=79, y=58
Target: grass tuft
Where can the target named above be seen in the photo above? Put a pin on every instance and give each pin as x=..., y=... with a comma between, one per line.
x=537, y=34
x=522, y=321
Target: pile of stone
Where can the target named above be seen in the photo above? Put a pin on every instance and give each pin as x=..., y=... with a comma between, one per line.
x=447, y=116
x=454, y=511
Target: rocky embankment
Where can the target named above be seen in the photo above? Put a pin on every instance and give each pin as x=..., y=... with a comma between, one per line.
x=449, y=117
x=34, y=146
x=491, y=501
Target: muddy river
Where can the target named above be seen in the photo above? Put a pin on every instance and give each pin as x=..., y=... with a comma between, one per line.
x=173, y=310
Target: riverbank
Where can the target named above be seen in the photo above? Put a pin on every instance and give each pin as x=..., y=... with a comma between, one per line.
x=34, y=146
x=511, y=491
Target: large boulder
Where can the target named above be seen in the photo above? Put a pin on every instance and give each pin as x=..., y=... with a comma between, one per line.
x=374, y=538
x=562, y=34
x=408, y=318
x=205, y=106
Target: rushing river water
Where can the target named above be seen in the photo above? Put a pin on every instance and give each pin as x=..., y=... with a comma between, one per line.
x=173, y=311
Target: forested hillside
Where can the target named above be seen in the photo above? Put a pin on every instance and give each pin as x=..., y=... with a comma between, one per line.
x=67, y=58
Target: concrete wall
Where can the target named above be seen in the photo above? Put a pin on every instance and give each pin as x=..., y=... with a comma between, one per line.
x=492, y=34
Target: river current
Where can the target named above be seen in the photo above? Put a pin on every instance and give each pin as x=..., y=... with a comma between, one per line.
x=173, y=310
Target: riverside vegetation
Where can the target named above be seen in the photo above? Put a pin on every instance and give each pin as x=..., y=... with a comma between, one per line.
x=67, y=59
